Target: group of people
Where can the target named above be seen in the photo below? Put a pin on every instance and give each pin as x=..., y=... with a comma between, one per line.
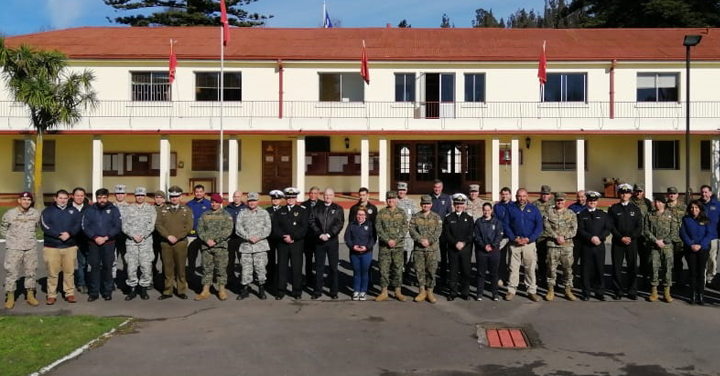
x=436, y=238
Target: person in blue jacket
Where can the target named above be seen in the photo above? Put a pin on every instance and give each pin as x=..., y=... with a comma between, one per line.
x=488, y=234
x=198, y=205
x=360, y=239
x=101, y=224
x=696, y=234
x=523, y=225
x=712, y=211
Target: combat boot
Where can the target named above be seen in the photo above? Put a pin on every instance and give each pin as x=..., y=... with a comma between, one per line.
x=430, y=296
x=653, y=294
x=222, y=295
x=261, y=292
x=10, y=300
x=569, y=295
x=204, y=294
x=668, y=298
x=30, y=297
x=143, y=293
x=550, y=294
x=398, y=294
x=383, y=295
x=421, y=296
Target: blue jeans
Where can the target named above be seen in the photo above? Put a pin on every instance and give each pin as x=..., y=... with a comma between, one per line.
x=361, y=270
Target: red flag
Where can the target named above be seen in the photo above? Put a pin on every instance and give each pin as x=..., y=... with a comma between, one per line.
x=364, y=70
x=173, y=63
x=542, y=67
x=225, y=24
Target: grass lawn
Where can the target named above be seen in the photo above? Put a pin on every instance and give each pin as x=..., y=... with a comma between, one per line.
x=28, y=343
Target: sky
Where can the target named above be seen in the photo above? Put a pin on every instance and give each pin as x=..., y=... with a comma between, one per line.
x=31, y=16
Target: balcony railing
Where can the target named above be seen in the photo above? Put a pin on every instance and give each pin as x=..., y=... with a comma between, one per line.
x=391, y=110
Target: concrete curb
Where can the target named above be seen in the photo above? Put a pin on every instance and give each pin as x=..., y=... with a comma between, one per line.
x=77, y=352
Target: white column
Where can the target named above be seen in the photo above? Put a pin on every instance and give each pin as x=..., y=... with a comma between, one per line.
x=164, y=163
x=648, y=167
x=364, y=166
x=97, y=164
x=580, y=163
x=383, y=169
x=29, y=165
x=232, y=166
x=300, y=167
x=495, y=168
x=715, y=164
x=514, y=165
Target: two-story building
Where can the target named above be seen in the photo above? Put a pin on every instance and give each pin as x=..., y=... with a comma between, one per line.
x=461, y=105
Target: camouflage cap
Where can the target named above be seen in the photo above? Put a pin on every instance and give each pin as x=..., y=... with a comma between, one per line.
x=559, y=196
x=662, y=199
x=474, y=188
x=120, y=188
x=459, y=198
x=253, y=196
x=545, y=190
x=276, y=194
x=391, y=194
x=402, y=186
x=425, y=199
x=140, y=191
x=639, y=187
x=175, y=191
x=592, y=195
x=159, y=193
x=625, y=188
x=672, y=190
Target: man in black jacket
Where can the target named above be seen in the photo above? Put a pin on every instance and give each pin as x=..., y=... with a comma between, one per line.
x=627, y=227
x=458, y=233
x=292, y=227
x=101, y=224
x=594, y=226
x=313, y=199
x=276, y=197
x=326, y=221
x=81, y=203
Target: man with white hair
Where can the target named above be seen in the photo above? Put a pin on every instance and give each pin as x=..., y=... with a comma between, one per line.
x=326, y=221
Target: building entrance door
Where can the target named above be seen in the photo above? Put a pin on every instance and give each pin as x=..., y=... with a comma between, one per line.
x=277, y=165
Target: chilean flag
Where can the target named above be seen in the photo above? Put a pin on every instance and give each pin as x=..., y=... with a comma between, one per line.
x=542, y=67
x=225, y=24
x=173, y=64
x=364, y=70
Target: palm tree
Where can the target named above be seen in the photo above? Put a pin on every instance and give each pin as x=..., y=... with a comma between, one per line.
x=54, y=95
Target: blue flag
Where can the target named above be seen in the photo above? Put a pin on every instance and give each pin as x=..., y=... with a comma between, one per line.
x=327, y=23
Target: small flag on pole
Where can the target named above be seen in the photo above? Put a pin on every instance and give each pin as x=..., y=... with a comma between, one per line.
x=364, y=70
x=327, y=23
x=542, y=67
x=225, y=24
x=173, y=63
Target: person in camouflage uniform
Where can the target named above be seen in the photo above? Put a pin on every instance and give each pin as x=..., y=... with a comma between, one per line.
x=646, y=206
x=407, y=205
x=474, y=205
x=544, y=203
x=18, y=227
x=253, y=226
x=560, y=224
x=138, y=224
x=678, y=209
x=391, y=227
x=214, y=228
x=661, y=229
x=425, y=230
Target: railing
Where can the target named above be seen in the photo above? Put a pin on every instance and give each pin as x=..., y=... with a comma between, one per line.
x=398, y=110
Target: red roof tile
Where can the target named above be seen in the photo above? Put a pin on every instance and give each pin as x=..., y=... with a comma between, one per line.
x=383, y=44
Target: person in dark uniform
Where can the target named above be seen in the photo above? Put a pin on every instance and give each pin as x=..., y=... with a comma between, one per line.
x=594, y=226
x=458, y=230
x=327, y=221
x=198, y=205
x=292, y=227
x=310, y=242
x=627, y=228
x=276, y=197
x=364, y=202
x=234, y=208
x=442, y=206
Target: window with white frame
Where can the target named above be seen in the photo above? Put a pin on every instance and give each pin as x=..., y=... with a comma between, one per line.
x=565, y=87
x=404, y=87
x=207, y=86
x=341, y=87
x=474, y=87
x=150, y=86
x=665, y=154
x=657, y=87
x=561, y=155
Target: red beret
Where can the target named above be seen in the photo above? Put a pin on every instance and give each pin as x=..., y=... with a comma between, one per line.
x=216, y=198
x=26, y=194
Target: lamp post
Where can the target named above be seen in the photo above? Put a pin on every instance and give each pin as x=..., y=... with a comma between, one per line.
x=689, y=41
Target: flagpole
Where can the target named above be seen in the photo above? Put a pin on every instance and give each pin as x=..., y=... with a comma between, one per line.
x=324, y=14
x=222, y=98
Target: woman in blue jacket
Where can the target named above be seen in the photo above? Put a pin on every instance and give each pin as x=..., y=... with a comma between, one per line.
x=696, y=235
x=488, y=233
x=360, y=238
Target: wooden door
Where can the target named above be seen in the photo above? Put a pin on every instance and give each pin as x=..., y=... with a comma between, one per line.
x=277, y=165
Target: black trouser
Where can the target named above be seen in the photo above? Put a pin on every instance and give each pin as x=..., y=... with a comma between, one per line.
x=193, y=251
x=233, y=248
x=293, y=253
x=329, y=248
x=271, y=265
x=542, y=252
x=593, y=268
x=697, y=263
x=100, y=259
x=460, y=263
x=678, y=253
x=157, y=251
x=309, y=252
x=629, y=253
x=487, y=262
x=120, y=249
x=645, y=267
x=443, y=265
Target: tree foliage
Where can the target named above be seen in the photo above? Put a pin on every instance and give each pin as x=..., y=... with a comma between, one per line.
x=53, y=94
x=184, y=13
x=404, y=24
x=485, y=18
x=445, y=22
